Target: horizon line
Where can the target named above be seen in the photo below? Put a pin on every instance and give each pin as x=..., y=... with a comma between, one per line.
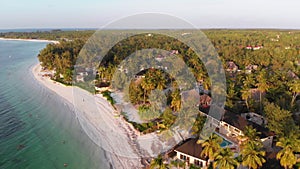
x=200, y=28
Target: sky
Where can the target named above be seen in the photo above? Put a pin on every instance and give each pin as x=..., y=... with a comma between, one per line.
x=201, y=13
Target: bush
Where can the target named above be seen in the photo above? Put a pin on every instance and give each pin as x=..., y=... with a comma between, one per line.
x=107, y=95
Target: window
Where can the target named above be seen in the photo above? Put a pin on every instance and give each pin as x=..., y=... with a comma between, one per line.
x=198, y=163
x=182, y=157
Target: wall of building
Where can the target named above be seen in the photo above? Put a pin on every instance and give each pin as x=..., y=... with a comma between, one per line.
x=228, y=130
x=191, y=159
x=267, y=142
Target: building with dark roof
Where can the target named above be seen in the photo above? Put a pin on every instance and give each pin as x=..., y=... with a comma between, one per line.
x=190, y=152
x=205, y=100
x=232, y=125
x=102, y=86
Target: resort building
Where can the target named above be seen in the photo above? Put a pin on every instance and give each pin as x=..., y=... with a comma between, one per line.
x=205, y=100
x=232, y=125
x=190, y=152
x=81, y=73
x=231, y=67
x=79, y=78
x=102, y=86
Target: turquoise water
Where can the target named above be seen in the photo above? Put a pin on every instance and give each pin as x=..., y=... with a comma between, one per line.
x=38, y=129
x=225, y=143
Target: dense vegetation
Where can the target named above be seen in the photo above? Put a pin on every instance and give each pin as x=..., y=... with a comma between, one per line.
x=61, y=58
x=50, y=35
x=275, y=77
x=265, y=81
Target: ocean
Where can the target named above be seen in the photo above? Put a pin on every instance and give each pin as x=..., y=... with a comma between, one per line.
x=38, y=129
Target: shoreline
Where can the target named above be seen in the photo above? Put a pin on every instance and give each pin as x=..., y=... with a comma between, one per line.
x=30, y=40
x=125, y=147
x=97, y=118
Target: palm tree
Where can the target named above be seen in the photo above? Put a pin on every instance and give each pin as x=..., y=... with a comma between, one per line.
x=253, y=156
x=224, y=159
x=158, y=163
x=231, y=94
x=160, y=80
x=198, y=124
x=206, y=83
x=210, y=146
x=286, y=155
x=262, y=86
x=294, y=87
x=246, y=93
x=250, y=136
x=249, y=81
x=147, y=86
x=101, y=72
x=176, y=100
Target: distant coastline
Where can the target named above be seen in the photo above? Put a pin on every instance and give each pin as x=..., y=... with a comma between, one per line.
x=31, y=40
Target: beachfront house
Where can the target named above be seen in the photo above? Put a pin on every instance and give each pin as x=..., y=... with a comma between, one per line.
x=205, y=100
x=232, y=125
x=189, y=152
x=102, y=86
x=81, y=73
x=231, y=67
x=79, y=78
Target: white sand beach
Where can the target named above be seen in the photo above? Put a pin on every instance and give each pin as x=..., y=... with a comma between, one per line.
x=31, y=40
x=98, y=119
x=125, y=146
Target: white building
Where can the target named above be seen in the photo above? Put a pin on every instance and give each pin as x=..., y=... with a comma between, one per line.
x=190, y=153
x=102, y=87
x=232, y=126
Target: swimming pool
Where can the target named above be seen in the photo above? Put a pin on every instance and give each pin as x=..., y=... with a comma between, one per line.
x=225, y=142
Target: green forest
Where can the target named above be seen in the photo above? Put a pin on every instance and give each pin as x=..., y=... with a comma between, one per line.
x=55, y=34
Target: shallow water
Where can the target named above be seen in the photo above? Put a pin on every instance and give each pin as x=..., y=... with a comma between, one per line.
x=38, y=130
